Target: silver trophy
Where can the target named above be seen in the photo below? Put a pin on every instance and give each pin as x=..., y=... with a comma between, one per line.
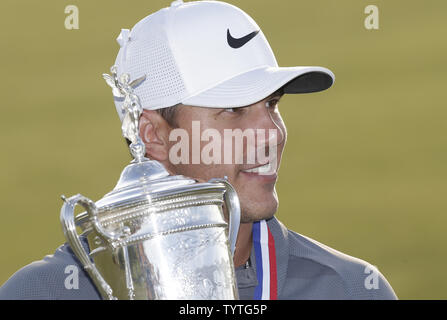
x=155, y=236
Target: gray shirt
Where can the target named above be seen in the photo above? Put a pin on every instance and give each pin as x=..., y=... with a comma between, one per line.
x=306, y=269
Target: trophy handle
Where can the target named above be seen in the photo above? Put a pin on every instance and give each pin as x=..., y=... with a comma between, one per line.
x=69, y=228
x=234, y=211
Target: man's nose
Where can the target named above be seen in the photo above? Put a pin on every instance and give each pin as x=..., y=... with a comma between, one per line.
x=268, y=132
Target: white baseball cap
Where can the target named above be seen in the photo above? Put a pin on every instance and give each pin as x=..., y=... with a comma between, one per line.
x=207, y=54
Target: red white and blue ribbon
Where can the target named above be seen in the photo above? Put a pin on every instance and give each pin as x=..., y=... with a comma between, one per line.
x=264, y=245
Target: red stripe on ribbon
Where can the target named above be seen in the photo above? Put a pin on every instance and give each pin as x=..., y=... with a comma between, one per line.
x=273, y=274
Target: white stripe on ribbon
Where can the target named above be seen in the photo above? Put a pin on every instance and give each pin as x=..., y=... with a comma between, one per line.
x=264, y=235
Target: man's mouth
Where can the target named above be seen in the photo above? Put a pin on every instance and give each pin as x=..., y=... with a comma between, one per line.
x=265, y=169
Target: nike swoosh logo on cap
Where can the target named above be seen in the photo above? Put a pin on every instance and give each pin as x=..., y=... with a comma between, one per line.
x=236, y=43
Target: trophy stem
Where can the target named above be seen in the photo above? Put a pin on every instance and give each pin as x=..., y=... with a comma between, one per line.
x=138, y=150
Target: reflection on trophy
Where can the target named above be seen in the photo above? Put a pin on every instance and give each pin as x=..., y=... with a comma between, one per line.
x=155, y=236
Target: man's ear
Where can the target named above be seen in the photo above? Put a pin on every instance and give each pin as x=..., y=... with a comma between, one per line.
x=154, y=131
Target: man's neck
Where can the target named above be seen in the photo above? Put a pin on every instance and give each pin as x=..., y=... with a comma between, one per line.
x=244, y=243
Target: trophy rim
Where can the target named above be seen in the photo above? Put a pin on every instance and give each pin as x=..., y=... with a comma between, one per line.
x=160, y=201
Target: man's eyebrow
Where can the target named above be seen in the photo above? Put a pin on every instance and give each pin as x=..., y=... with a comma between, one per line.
x=278, y=93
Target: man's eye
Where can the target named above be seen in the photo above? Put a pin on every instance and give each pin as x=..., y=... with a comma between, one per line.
x=272, y=103
x=233, y=110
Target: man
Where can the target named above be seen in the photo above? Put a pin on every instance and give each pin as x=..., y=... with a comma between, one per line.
x=208, y=64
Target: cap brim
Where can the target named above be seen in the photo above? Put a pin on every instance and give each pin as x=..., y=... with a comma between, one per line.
x=255, y=85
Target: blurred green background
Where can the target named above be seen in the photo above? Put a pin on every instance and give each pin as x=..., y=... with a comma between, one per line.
x=364, y=170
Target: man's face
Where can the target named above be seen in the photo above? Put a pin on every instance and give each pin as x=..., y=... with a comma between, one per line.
x=254, y=181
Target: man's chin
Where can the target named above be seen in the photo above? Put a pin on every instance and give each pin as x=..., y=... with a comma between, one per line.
x=250, y=218
x=259, y=212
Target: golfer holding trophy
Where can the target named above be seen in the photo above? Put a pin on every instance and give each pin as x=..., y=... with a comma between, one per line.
x=190, y=217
